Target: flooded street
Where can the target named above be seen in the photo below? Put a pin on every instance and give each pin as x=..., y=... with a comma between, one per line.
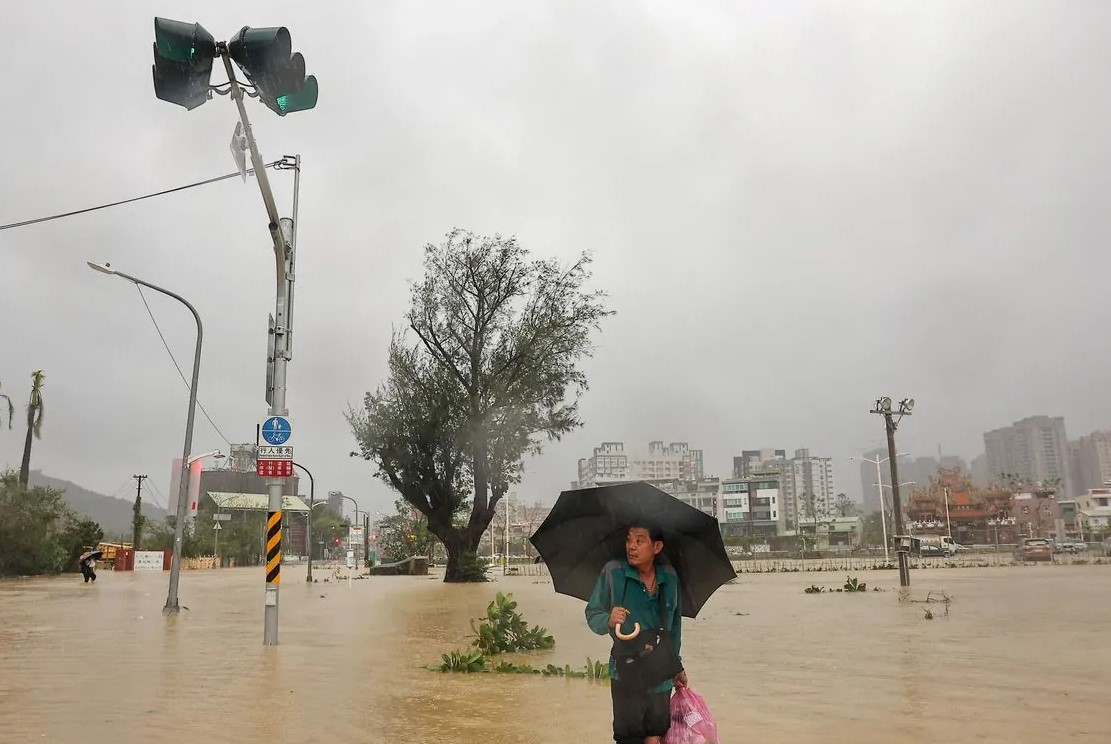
x=1023, y=656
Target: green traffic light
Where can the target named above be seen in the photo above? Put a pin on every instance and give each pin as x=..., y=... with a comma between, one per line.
x=178, y=41
x=266, y=58
x=183, y=56
x=302, y=100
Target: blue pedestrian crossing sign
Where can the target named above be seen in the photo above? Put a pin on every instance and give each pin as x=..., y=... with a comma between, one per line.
x=275, y=431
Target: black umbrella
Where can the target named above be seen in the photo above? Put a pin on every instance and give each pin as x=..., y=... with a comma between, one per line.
x=586, y=529
x=94, y=554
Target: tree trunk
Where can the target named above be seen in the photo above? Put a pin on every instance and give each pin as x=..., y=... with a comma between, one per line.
x=462, y=560
x=25, y=466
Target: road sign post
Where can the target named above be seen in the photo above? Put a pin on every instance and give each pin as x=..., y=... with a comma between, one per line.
x=273, y=461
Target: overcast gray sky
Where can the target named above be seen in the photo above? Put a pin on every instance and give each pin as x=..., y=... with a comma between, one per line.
x=796, y=208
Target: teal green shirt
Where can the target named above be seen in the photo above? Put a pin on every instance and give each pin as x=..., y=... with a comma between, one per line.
x=620, y=585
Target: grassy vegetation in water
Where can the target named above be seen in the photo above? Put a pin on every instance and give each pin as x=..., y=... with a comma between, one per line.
x=503, y=630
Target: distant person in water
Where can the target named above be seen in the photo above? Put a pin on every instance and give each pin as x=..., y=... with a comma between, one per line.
x=88, y=569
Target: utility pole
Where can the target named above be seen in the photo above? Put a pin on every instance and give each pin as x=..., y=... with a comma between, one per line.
x=137, y=513
x=883, y=408
x=184, y=54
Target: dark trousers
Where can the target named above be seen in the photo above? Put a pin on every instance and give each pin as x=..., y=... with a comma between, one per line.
x=637, y=713
x=88, y=573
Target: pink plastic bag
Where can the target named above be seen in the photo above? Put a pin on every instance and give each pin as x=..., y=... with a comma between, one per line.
x=691, y=722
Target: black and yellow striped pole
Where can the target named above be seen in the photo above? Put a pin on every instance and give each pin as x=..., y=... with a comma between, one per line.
x=274, y=547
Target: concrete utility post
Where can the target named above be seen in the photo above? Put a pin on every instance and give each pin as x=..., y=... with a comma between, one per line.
x=136, y=526
x=883, y=408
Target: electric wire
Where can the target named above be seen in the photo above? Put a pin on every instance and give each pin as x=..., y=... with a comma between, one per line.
x=37, y=220
x=178, y=366
x=122, y=486
x=156, y=496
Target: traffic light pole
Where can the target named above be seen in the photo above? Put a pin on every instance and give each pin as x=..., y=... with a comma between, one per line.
x=283, y=261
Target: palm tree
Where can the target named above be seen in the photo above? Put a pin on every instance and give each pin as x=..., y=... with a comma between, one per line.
x=34, y=424
x=11, y=409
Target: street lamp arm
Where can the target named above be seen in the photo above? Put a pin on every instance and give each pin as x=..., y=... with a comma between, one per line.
x=164, y=291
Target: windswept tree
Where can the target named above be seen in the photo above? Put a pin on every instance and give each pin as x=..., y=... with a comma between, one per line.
x=11, y=410
x=487, y=370
x=34, y=424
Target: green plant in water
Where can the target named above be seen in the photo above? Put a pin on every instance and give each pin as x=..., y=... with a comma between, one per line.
x=463, y=661
x=597, y=669
x=504, y=630
x=929, y=615
x=814, y=589
x=852, y=585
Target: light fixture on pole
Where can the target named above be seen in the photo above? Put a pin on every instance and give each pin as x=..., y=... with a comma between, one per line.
x=891, y=418
x=214, y=454
x=879, y=488
x=172, y=606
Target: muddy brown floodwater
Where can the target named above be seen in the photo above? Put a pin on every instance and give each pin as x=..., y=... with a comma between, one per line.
x=1023, y=656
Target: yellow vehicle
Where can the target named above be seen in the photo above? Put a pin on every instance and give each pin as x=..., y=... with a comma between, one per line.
x=109, y=550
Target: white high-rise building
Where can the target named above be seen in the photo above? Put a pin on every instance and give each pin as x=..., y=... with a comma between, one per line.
x=806, y=489
x=610, y=463
x=1092, y=458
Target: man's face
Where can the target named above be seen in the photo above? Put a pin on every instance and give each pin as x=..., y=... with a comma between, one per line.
x=639, y=547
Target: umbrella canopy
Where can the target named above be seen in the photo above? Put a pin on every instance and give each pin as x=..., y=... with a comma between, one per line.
x=94, y=554
x=586, y=529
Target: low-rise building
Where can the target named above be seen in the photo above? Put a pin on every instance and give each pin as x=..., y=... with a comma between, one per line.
x=833, y=533
x=750, y=506
x=1093, y=511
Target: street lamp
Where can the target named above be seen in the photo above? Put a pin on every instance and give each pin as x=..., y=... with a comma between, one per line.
x=891, y=423
x=357, y=513
x=879, y=480
x=308, y=521
x=214, y=454
x=882, y=514
x=172, y=606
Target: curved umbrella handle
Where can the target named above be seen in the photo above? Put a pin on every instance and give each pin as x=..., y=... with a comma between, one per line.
x=627, y=637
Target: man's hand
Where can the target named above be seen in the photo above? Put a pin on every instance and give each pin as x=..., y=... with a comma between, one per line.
x=618, y=616
x=681, y=679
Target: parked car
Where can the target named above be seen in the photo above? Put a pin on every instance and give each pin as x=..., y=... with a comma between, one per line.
x=1035, y=549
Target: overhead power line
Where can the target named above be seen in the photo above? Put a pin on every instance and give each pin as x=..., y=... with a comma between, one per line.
x=37, y=220
x=178, y=366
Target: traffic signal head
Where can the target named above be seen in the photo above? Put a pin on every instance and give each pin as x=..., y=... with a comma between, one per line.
x=264, y=55
x=183, y=54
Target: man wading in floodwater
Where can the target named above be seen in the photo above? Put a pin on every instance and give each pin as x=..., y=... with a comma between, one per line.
x=640, y=591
